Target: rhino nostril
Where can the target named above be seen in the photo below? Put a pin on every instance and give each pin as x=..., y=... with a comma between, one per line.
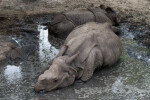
x=42, y=91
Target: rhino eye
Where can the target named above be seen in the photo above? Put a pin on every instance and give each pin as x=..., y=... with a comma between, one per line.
x=45, y=82
x=55, y=80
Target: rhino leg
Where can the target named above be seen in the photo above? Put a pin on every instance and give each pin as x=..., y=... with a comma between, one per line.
x=94, y=60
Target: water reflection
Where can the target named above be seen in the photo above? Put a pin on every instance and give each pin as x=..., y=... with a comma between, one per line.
x=45, y=48
x=12, y=73
x=138, y=51
x=140, y=55
x=131, y=31
x=17, y=81
x=117, y=86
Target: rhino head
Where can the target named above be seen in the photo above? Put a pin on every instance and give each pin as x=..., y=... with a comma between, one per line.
x=60, y=74
x=111, y=14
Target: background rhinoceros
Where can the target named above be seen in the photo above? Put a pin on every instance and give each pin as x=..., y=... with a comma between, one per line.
x=64, y=23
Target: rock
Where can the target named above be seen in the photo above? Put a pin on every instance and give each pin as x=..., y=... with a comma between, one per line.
x=6, y=45
x=10, y=50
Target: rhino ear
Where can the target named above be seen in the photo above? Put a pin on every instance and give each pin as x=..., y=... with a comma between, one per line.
x=109, y=10
x=62, y=50
x=43, y=80
x=102, y=6
x=72, y=58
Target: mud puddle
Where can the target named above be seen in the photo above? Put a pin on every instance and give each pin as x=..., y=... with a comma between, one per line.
x=17, y=81
x=127, y=80
x=135, y=49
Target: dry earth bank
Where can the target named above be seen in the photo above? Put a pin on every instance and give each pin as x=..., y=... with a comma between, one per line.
x=134, y=10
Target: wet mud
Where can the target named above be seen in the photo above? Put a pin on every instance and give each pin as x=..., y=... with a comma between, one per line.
x=133, y=36
x=127, y=80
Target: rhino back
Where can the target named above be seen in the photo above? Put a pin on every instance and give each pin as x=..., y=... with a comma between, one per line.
x=100, y=15
x=57, y=19
x=110, y=46
x=83, y=39
x=64, y=27
x=79, y=17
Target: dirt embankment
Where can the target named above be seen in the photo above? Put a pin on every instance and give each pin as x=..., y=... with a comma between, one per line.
x=134, y=10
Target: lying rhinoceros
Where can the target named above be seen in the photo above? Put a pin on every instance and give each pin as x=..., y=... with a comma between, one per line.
x=87, y=47
x=64, y=23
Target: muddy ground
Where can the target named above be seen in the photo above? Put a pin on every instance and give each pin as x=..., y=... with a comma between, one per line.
x=127, y=80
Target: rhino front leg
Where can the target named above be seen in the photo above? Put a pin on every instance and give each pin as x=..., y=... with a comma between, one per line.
x=93, y=61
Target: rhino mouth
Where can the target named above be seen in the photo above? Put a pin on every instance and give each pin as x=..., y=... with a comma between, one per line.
x=39, y=89
x=42, y=91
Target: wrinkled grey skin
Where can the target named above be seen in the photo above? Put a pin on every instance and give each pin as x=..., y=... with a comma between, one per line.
x=87, y=47
x=64, y=23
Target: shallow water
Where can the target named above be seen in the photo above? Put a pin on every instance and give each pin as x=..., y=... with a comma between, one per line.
x=127, y=80
x=44, y=46
x=138, y=51
x=17, y=81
